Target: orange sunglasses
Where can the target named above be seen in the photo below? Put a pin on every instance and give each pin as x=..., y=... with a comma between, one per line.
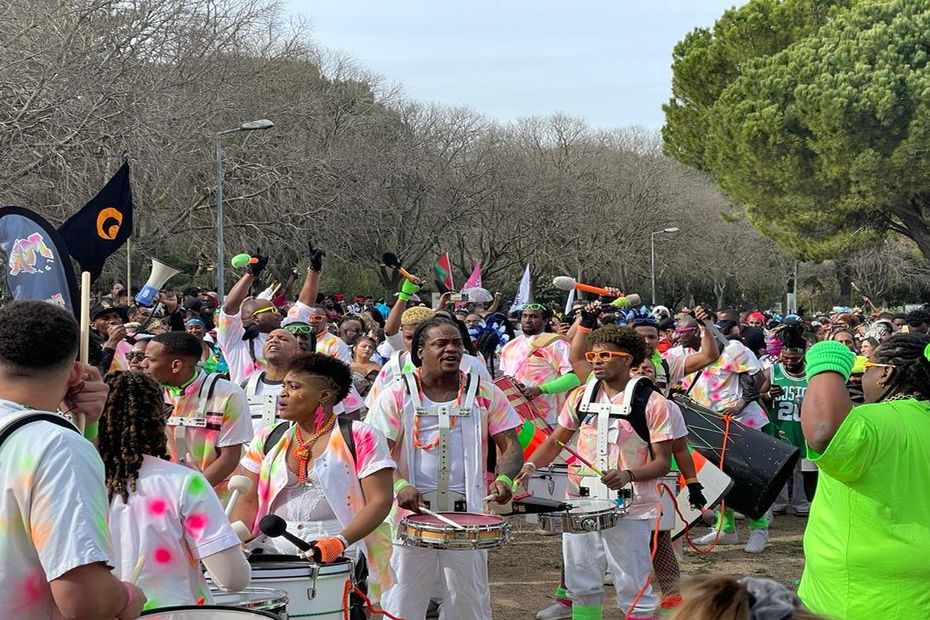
x=604, y=356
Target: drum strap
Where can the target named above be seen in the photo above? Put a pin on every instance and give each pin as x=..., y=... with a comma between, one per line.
x=267, y=402
x=178, y=424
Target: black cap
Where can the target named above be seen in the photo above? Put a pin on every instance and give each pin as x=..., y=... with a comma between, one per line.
x=98, y=311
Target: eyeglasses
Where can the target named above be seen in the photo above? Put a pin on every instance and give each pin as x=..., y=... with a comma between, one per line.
x=868, y=365
x=604, y=356
x=271, y=309
x=316, y=318
x=299, y=328
x=534, y=306
x=136, y=356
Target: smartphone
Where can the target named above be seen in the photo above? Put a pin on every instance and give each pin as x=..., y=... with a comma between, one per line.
x=456, y=297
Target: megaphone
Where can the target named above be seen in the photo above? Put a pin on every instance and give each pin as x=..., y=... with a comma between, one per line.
x=161, y=273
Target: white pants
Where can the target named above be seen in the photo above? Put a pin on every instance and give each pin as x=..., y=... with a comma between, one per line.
x=622, y=549
x=459, y=578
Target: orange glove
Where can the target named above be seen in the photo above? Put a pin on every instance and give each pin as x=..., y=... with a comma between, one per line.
x=328, y=549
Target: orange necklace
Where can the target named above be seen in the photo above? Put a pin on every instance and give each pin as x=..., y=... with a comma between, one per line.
x=416, y=417
x=305, y=448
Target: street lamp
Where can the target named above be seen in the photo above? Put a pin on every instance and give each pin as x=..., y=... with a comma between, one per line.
x=263, y=123
x=652, y=243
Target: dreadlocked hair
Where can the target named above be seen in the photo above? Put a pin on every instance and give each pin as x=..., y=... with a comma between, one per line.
x=907, y=353
x=132, y=425
x=419, y=336
x=623, y=338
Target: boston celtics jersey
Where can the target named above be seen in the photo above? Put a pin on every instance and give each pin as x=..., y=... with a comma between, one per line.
x=785, y=411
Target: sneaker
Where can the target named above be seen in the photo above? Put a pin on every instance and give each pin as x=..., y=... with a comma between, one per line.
x=780, y=510
x=555, y=611
x=433, y=610
x=757, y=541
x=726, y=538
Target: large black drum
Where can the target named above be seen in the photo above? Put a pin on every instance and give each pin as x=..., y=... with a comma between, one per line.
x=759, y=464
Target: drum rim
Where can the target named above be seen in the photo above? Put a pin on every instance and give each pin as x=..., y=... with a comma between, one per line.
x=302, y=567
x=495, y=521
x=280, y=599
x=173, y=608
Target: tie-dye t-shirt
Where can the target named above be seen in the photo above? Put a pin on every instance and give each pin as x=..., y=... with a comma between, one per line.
x=626, y=449
x=340, y=479
x=228, y=422
x=53, y=513
x=245, y=356
x=389, y=373
x=718, y=384
x=535, y=366
x=173, y=519
x=334, y=347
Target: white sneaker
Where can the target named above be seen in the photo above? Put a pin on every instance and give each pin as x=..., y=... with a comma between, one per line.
x=555, y=611
x=757, y=541
x=726, y=538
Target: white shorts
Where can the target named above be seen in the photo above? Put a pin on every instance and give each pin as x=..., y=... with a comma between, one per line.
x=808, y=465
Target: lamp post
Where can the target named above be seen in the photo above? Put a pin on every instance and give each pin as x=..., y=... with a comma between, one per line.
x=263, y=123
x=652, y=243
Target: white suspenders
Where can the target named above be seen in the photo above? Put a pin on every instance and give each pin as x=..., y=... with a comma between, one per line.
x=267, y=402
x=445, y=413
x=598, y=489
x=177, y=424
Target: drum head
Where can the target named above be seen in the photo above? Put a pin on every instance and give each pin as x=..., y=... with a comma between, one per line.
x=206, y=612
x=465, y=519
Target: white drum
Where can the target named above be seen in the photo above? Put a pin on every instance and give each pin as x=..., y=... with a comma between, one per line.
x=550, y=483
x=319, y=591
x=667, y=522
x=262, y=599
x=207, y=612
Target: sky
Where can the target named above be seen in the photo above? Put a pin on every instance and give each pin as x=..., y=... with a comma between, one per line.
x=608, y=62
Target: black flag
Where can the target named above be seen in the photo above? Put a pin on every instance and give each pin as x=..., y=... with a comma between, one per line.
x=102, y=226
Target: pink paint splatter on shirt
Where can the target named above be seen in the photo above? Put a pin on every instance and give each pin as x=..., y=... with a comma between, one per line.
x=34, y=588
x=158, y=506
x=195, y=524
x=163, y=555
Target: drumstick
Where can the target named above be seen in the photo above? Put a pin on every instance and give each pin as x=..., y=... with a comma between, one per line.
x=490, y=497
x=582, y=459
x=442, y=518
x=137, y=570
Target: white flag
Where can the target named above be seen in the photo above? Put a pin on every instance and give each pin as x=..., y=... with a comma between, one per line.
x=570, y=302
x=523, y=293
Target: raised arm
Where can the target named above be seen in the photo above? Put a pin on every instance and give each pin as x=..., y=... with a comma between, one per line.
x=710, y=349
x=826, y=402
x=311, y=287
x=586, y=321
x=392, y=323
x=240, y=290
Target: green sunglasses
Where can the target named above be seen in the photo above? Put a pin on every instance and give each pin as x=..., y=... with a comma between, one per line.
x=299, y=328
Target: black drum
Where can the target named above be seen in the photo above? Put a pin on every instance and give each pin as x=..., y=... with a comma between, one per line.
x=759, y=464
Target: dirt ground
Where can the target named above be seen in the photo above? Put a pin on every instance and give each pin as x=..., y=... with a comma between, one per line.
x=524, y=573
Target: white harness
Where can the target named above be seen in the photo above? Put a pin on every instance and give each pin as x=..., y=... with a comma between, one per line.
x=267, y=402
x=606, y=427
x=178, y=424
x=444, y=500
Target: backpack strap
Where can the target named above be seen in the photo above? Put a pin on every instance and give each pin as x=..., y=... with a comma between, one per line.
x=642, y=392
x=345, y=427
x=28, y=418
x=275, y=436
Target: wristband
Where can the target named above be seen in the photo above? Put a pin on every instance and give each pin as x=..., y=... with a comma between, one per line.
x=345, y=541
x=531, y=465
x=403, y=296
x=91, y=431
x=582, y=329
x=400, y=484
x=506, y=480
x=691, y=480
x=630, y=474
x=130, y=595
x=568, y=381
x=829, y=356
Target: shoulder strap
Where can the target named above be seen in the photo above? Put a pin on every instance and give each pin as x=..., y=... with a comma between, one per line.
x=250, y=385
x=544, y=340
x=10, y=428
x=204, y=401
x=345, y=427
x=275, y=436
x=642, y=392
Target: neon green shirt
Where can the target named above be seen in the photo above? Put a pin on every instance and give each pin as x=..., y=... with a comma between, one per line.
x=867, y=543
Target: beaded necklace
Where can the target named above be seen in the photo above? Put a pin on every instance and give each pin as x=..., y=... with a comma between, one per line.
x=305, y=448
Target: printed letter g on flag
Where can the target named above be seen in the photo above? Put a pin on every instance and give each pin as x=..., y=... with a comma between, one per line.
x=111, y=230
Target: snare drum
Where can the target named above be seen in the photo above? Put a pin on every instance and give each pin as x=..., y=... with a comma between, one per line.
x=585, y=515
x=480, y=531
x=314, y=590
x=264, y=599
x=207, y=612
x=549, y=483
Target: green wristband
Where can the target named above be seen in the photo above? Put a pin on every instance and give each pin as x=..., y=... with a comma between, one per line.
x=507, y=480
x=400, y=484
x=829, y=356
x=403, y=296
x=568, y=381
x=91, y=431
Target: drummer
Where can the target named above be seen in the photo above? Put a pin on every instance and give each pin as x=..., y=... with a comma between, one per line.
x=624, y=548
x=307, y=473
x=414, y=414
x=539, y=361
x=162, y=515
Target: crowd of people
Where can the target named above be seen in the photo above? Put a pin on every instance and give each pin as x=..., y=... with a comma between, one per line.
x=349, y=415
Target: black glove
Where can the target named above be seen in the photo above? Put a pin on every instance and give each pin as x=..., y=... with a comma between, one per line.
x=695, y=497
x=588, y=318
x=259, y=265
x=316, y=257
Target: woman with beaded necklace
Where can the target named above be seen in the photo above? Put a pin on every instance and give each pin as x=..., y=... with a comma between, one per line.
x=331, y=482
x=867, y=543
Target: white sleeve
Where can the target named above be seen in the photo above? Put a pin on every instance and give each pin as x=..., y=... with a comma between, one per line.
x=679, y=428
x=68, y=506
x=395, y=341
x=206, y=528
x=229, y=330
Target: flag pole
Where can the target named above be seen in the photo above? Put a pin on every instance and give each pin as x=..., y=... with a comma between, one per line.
x=85, y=335
x=129, y=268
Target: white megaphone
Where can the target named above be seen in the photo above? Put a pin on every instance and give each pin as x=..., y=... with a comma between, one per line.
x=161, y=273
